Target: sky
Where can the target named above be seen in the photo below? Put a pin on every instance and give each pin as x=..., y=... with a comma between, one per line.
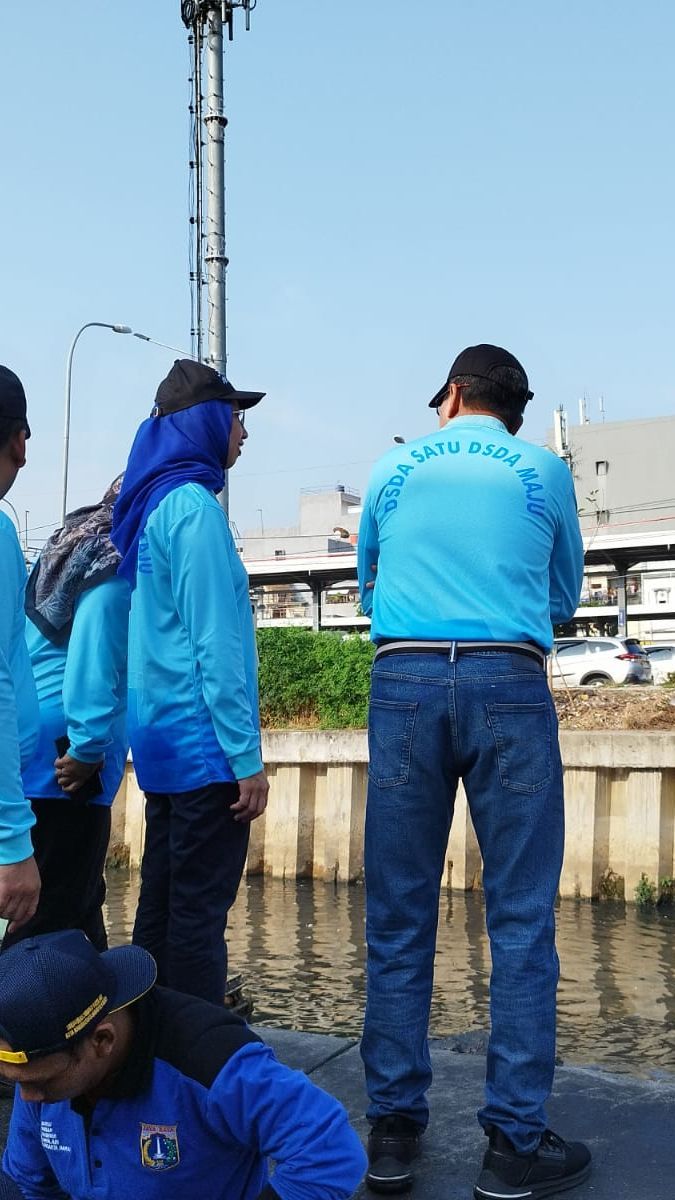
x=403, y=179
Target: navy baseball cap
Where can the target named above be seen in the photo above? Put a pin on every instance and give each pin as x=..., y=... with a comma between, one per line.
x=12, y=398
x=56, y=987
x=190, y=383
x=480, y=361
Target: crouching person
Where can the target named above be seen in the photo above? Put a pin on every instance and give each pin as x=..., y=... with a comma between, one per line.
x=128, y=1089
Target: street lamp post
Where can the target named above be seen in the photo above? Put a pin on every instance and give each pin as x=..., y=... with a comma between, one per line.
x=17, y=522
x=69, y=371
x=66, y=425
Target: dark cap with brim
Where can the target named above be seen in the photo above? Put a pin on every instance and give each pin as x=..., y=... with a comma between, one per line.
x=56, y=987
x=12, y=398
x=189, y=383
x=480, y=361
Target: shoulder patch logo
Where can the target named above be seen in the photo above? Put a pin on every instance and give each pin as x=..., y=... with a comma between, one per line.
x=159, y=1146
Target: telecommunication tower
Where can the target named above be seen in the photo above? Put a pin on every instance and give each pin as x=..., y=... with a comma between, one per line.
x=206, y=21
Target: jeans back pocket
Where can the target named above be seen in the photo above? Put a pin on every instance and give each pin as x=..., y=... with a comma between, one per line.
x=522, y=735
x=390, y=732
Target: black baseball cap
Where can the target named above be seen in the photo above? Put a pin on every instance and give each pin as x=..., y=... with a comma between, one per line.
x=480, y=361
x=12, y=398
x=190, y=383
x=55, y=987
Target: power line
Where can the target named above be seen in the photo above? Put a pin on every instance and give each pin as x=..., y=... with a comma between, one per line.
x=363, y=462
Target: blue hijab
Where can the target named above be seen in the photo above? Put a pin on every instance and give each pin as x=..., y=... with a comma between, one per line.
x=189, y=446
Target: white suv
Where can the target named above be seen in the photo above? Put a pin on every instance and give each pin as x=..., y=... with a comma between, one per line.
x=662, y=661
x=592, y=661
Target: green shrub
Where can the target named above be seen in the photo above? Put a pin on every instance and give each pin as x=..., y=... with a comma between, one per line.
x=612, y=886
x=313, y=679
x=666, y=890
x=645, y=892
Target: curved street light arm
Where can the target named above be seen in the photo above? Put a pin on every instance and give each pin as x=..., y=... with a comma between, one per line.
x=9, y=504
x=66, y=424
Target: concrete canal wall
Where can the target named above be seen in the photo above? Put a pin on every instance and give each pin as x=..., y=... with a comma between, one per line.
x=619, y=799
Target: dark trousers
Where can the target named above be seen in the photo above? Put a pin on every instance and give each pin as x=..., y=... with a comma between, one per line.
x=70, y=842
x=193, y=861
x=8, y=1188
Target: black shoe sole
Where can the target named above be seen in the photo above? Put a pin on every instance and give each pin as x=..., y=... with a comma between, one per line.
x=491, y=1187
x=389, y=1187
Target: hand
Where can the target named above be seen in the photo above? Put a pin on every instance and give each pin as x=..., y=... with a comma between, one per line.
x=19, y=892
x=71, y=774
x=252, y=800
x=371, y=585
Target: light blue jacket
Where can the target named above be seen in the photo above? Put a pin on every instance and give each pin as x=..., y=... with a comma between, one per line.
x=82, y=691
x=193, y=671
x=475, y=537
x=18, y=702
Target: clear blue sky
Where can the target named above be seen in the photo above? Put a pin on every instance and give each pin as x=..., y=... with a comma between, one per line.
x=403, y=179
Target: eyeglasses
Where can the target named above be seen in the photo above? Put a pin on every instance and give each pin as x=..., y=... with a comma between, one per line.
x=241, y=416
x=505, y=392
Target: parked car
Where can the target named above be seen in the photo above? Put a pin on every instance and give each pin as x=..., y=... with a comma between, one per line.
x=662, y=660
x=593, y=661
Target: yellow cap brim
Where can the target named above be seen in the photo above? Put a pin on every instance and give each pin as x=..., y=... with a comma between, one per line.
x=13, y=1056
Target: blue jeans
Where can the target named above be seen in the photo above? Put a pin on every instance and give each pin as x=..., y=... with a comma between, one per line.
x=488, y=719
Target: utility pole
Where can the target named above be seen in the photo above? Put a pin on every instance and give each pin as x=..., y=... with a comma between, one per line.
x=206, y=20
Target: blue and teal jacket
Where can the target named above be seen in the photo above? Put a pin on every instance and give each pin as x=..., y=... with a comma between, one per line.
x=19, y=717
x=193, y=670
x=82, y=691
x=196, y=1111
x=474, y=536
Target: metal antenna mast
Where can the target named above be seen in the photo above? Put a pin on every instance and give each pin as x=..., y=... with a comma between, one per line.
x=206, y=20
x=196, y=198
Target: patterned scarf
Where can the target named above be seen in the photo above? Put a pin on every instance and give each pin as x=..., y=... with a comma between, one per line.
x=75, y=558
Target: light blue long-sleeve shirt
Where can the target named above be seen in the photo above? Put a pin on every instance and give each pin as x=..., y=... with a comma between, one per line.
x=474, y=535
x=193, y=675
x=82, y=691
x=18, y=702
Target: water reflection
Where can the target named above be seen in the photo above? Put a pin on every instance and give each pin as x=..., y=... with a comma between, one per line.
x=300, y=946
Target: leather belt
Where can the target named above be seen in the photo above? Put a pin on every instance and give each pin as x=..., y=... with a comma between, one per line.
x=453, y=649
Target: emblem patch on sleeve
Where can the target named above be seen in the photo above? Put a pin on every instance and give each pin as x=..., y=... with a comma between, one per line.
x=159, y=1146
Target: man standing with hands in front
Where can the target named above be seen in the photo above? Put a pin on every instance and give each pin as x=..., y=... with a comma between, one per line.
x=19, y=878
x=469, y=549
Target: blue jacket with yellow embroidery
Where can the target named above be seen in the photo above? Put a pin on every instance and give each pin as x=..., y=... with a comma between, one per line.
x=199, y=1106
x=474, y=535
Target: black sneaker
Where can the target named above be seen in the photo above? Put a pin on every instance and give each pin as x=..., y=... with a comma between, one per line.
x=553, y=1167
x=393, y=1143
x=236, y=999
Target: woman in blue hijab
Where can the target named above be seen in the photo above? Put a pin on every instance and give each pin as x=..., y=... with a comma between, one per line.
x=193, y=691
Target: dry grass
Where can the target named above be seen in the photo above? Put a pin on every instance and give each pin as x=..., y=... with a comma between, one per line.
x=631, y=707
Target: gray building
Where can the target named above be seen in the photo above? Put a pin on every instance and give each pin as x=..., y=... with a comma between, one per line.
x=328, y=525
x=623, y=472
x=323, y=511
x=623, y=476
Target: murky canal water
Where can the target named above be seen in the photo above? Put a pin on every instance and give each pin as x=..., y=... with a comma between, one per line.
x=300, y=946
